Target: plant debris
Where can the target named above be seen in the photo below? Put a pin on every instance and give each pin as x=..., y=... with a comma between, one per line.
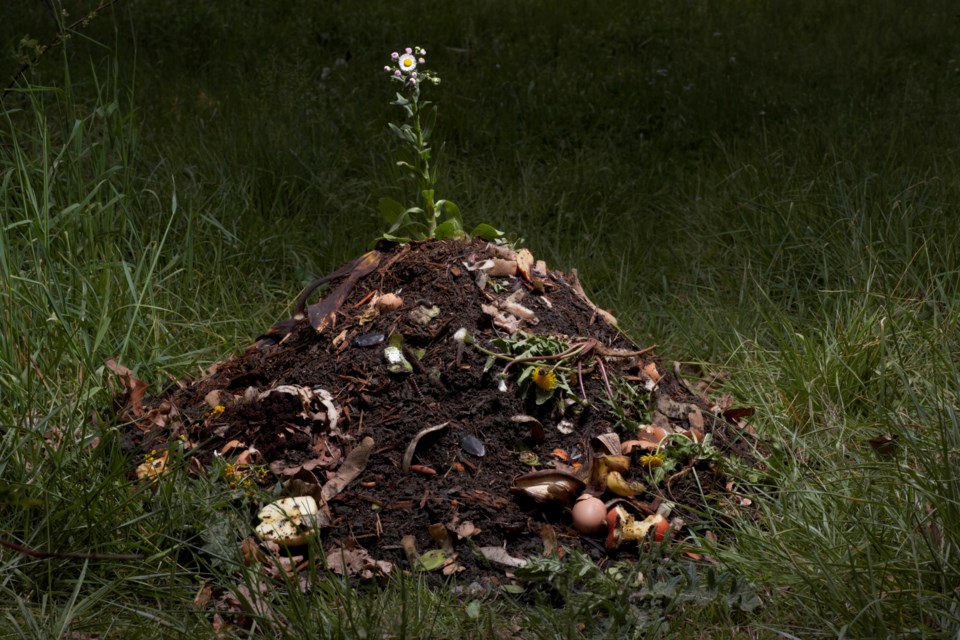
x=535, y=396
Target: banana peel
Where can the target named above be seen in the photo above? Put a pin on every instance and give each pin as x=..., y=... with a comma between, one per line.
x=619, y=485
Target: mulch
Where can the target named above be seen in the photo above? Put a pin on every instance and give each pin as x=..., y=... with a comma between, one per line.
x=231, y=412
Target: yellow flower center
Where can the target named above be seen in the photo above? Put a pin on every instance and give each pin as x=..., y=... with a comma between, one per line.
x=545, y=379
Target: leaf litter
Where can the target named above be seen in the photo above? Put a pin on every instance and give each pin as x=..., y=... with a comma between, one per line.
x=427, y=353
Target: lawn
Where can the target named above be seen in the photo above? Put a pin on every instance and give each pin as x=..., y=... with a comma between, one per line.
x=767, y=189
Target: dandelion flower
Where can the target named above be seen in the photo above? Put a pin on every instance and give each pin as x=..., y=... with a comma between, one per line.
x=545, y=379
x=653, y=460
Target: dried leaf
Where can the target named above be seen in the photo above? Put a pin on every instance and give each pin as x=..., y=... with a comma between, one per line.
x=204, y=593
x=498, y=267
x=884, y=445
x=650, y=369
x=322, y=313
x=353, y=466
x=134, y=386
x=388, y=302
x=357, y=562
x=607, y=444
x=537, y=434
x=646, y=445
x=412, y=447
x=549, y=537
x=466, y=529
x=733, y=416
x=441, y=537
x=499, y=555
x=230, y=446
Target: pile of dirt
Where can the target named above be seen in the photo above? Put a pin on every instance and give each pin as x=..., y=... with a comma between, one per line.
x=449, y=398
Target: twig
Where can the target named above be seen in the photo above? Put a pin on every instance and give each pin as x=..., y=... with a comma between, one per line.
x=36, y=553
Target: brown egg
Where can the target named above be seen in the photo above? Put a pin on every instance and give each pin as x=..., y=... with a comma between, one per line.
x=589, y=514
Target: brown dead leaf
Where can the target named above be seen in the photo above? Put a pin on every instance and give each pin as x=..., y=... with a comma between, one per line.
x=549, y=537
x=353, y=466
x=135, y=387
x=204, y=593
x=357, y=562
x=322, y=313
x=884, y=445
x=646, y=445
x=230, y=446
x=651, y=371
x=466, y=529
x=736, y=416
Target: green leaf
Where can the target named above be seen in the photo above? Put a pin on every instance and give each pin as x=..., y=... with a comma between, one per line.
x=543, y=395
x=450, y=210
x=449, y=229
x=486, y=232
x=390, y=209
x=473, y=609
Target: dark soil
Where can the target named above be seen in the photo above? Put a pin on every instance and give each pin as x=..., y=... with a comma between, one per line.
x=449, y=383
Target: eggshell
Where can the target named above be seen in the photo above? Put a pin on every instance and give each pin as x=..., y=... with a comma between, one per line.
x=589, y=514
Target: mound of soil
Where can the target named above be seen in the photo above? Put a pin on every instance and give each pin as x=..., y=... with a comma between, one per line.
x=520, y=368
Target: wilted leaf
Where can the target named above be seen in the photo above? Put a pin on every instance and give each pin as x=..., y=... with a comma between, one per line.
x=353, y=466
x=134, y=386
x=357, y=562
x=412, y=447
x=499, y=555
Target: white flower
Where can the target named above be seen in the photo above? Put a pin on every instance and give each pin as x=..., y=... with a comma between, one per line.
x=407, y=63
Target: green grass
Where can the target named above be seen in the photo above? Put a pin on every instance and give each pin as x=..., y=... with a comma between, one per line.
x=769, y=189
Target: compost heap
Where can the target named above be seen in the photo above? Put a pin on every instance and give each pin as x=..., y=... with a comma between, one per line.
x=445, y=404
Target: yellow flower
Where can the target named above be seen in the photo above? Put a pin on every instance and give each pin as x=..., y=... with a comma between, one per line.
x=545, y=379
x=653, y=460
x=217, y=410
